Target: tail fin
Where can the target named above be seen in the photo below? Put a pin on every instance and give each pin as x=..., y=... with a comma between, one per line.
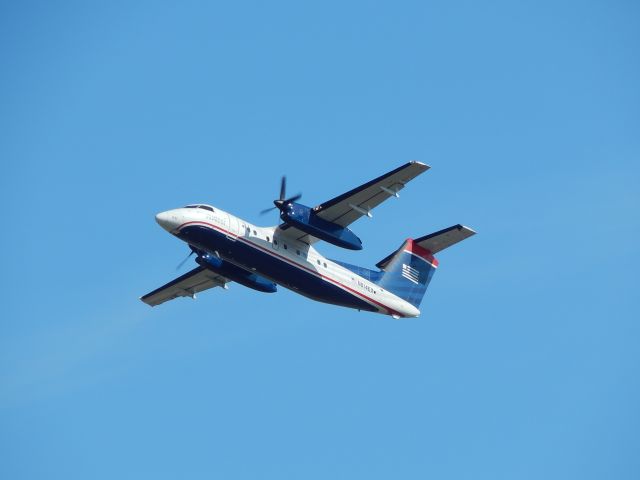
x=408, y=271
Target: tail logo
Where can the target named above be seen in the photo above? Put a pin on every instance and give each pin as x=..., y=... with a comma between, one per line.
x=410, y=273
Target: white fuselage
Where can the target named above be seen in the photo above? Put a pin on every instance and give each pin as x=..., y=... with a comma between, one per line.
x=286, y=261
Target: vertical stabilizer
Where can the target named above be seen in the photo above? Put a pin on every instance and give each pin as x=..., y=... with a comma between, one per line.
x=408, y=271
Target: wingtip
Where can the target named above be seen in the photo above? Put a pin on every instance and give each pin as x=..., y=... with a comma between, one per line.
x=422, y=164
x=142, y=299
x=470, y=230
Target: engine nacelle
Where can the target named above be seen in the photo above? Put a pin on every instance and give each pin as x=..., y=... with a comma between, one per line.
x=235, y=273
x=304, y=218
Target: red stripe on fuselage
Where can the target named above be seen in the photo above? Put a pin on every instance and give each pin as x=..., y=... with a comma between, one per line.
x=274, y=254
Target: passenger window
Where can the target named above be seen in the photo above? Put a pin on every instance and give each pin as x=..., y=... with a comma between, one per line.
x=285, y=246
x=325, y=264
x=267, y=238
x=255, y=233
x=318, y=262
x=275, y=242
x=297, y=252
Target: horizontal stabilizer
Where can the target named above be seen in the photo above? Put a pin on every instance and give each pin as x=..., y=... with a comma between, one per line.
x=435, y=242
x=444, y=238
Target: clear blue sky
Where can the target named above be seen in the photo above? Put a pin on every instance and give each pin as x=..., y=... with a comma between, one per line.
x=525, y=363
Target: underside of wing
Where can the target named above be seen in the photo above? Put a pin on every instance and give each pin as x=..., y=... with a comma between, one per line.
x=348, y=207
x=187, y=285
x=435, y=242
x=294, y=233
x=331, y=219
x=438, y=241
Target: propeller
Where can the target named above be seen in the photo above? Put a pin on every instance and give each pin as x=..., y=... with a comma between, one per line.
x=281, y=202
x=186, y=258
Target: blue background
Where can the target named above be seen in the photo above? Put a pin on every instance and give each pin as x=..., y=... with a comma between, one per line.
x=525, y=362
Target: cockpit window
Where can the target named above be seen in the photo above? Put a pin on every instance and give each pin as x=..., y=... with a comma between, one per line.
x=205, y=207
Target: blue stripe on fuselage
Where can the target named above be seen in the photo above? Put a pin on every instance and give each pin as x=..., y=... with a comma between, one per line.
x=246, y=255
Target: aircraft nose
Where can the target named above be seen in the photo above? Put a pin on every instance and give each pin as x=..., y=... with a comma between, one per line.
x=166, y=221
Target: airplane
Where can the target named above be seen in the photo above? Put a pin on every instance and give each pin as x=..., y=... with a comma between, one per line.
x=230, y=249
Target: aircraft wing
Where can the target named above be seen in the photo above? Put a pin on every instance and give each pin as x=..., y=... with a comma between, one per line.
x=187, y=285
x=350, y=206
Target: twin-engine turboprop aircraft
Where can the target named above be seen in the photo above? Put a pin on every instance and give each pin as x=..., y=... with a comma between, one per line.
x=229, y=249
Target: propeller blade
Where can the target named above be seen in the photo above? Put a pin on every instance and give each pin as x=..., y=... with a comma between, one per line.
x=185, y=260
x=283, y=187
x=267, y=210
x=293, y=199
